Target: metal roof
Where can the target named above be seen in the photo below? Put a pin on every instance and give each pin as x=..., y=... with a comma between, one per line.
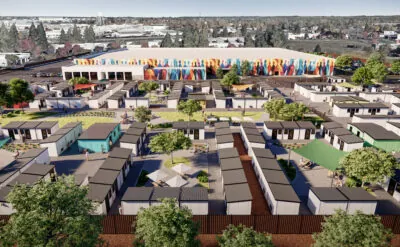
x=13, y=125
x=340, y=132
x=251, y=131
x=28, y=179
x=103, y=176
x=356, y=194
x=351, y=139
x=165, y=192
x=12, y=168
x=270, y=164
x=228, y=153
x=137, y=194
x=328, y=194
x=32, y=153
x=305, y=125
x=273, y=125
x=237, y=193
x=30, y=125
x=283, y=192
x=256, y=138
x=98, y=131
x=114, y=164
x=275, y=176
x=234, y=177
x=98, y=192
x=134, y=131
x=263, y=153
x=249, y=125
x=289, y=125
x=120, y=153
x=138, y=125
x=132, y=139
x=223, y=131
x=230, y=164
x=224, y=139
x=194, y=194
x=47, y=125
x=377, y=132
x=331, y=125
x=39, y=169
x=221, y=125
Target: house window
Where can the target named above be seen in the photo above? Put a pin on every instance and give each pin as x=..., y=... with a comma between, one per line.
x=351, y=128
x=286, y=131
x=192, y=131
x=185, y=131
x=280, y=131
x=16, y=131
x=48, y=131
x=357, y=110
x=369, y=110
x=348, y=110
x=312, y=131
x=378, y=110
x=338, y=141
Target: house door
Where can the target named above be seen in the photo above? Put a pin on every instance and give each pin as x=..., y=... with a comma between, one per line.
x=44, y=134
x=11, y=134
x=332, y=137
x=107, y=204
x=196, y=134
x=291, y=134
x=27, y=134
x=352, y=111
x=341, y=146
x=307, y=134
x=392, y=186
x=373, y=112
x=274, y=134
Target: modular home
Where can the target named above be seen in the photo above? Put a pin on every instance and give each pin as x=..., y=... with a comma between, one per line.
x=394, y=127
x=325, y=200
x=100, y=195
x=30, y=130
x=238, y=199
x=173, y=99
x=62, y=90
x=351, y=109
x=135, y=102
x=228, y=164
x=224, y=141
x=239, y=102
x=40, y=155
x=136, y=198
x=121, y=153
x=348, y=143
x=282, y=199
x=132, y=142
x=196, y=199
x=227, y=153
x=251, y=136
x=230, y=177
x=376, y=119
x=40, y=100
x=164, y=192
x=289, y=130
x=99, y=137
x=194, y=130
x=130, y=89
x=47, y=172
x=109, y=178
x=116, y=100
x=65, y=103
x=220, y=99
x=98, y=100
x=119, y=165
x=325, y=127
x=359, y=200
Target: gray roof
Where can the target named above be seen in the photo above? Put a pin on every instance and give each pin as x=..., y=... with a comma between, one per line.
x=30, y=125
x=283, y=192
x=237, y=193
x=103, y=176
x=223, y=131
x=28, y=179
x=188, y=125
x=46, y=124
x=179, y=125
x=32, y=153
x=194, y=194
x=120, y=153
x=275, y=176
x=165, y=192
x=356, y=194
x=113, y=164
x=221, y=125
x=197, y=96
x=98, y=192
x=71, y=125
x=331, y=125
x=340, y=131
x=351, y=139
x=251, y=131
x=378, y=116
x=263, y=153
x=361, y=105
x=63, y=131
x=4, y=192
x=219, y=95
x=133, y=139
x=230, y=164
x=138, y=125
x=117, y=96
x=256, y=138
x=12, y=168
x=328, y=194
x=248, y=125
x=228, y=153
x=61, y=86
x=39, y=169
x=137, y=194
x=99, y=95
x=129, y=85
x=234, y=177
x=114, y=85
x=273, y=125
x=377, y=132
x=134, y=131
x=395, y=124
x=224, y=139
x=13, y=125
x=53, y=138
x=289, y=125
x=195, y=125
x=270, y=164
x=305, y=125
x=98, y=131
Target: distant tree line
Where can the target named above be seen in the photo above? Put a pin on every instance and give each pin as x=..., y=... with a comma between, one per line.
x=74, y=35
x=191, y=37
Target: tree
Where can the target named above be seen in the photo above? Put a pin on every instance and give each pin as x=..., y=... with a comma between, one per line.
x=376, y=57
x=13, y=37
x=215, y=32
x=19, y=91
x=225, y=32
x=242, y=236
x=189, y=107
x=278, y=39
x=3, y=38
x=219, y=73
x=33, y=33
x=245, y=68
x=63, y=37
x=369, y=165
x=344, y=61
x=248, y=41
x=352, y=230
x=177, y=42
x=379, y=72
x=293, y=111
x=51, y=214
x=166, y=225
x=76, y=34
x=148, y=86
x=143, y=114
x=203, y=38
x=234, y=69
x=230, y=78
x=5, y=99
x=78, y=80
x=41, y=37
x=317, y=49
x=395, y=67
x=169, y=142
x=167, y=41
x=89, y=35
x=362, y=76
x=273, y=107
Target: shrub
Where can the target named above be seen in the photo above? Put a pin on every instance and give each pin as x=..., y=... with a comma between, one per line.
x=142, y=178
x=10, y=114
x=352, y=182
x=202, y=177
x=17, y=112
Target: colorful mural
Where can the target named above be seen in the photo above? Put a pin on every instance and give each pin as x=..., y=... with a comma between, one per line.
x=196, y=69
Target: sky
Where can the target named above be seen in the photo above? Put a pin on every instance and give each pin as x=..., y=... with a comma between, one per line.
x=157, y=8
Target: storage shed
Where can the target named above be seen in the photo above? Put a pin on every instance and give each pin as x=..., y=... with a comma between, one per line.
x=325, y=200
x=196, y=199
x=282, y=199
x=359, y=199
x=99, y=137
x=238, y=199
x=136, y=198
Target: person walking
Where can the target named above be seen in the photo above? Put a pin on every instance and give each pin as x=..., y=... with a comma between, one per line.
x=87, y=155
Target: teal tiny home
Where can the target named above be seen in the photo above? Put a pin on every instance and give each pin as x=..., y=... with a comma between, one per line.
x=99, y=137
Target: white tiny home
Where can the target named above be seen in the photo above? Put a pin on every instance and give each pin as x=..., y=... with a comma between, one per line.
x=99, y=194
x=326, y=200
x=135, y=102
x=224, y=141
x=136, y=198
x=359, y=199
x=238, y=199
x=196, y=199
x=282, y=199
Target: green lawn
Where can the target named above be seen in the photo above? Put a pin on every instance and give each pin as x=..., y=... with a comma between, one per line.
x=168, y=163
x=24, y=117
x=322, y=154
x=86, y=121
x=175, y=116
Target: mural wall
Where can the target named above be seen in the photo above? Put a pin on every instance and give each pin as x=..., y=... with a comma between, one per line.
x=197, y=69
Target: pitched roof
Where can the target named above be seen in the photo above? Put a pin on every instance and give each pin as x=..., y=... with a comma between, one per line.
x=351, y=139
x=137, y=194
x=223, y=131
x=13, y=125
x=220, y=125
x=30, y=125
x=46, y=124
x=134, y=131
x=305, y=125
x=289, y=125
x=331, y=125
x=340, y=131
x=256, y=138
x=237, y=193
x=194, y=194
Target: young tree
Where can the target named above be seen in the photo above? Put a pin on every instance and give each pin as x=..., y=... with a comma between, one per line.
x=19, y=91
x=362, y=76
x=41, y=37
x=167, y=41
x=51, y=214
x=203, y=38
x=169, y=142
x=189, y=107
x=355, y=230
x=89, y=35
x=242, y=236
x=166, y=225
x=76, y=34
x=245, y=68
x=143, y=114
x=3, y=38
x=379, y=72
x=33, y=33
x=369, y=165
x=248, y=41
x=63, y=37
x=273, y=107
x=215, y=32
x=343, y=61
x=230, y=78
x=234, y=69
x=219, y=73
x=13, y=37
x=225, y=32
x=148, y=86
x=317, y=49
x=376, y=57
x=293, y=111
x=78, y=80
x=395, y=67
x=5, y=99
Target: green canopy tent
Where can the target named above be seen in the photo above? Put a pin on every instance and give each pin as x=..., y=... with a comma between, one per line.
x=322, y=154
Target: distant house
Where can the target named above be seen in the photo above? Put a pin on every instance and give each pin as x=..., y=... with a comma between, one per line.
x=30, y=130
x=194, y=130
x=289, y=130
x=351, y=109
x=99, y=137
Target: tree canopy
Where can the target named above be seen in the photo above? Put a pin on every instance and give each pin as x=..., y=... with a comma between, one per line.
x=318, y=48
x=219, y=73
x=19, y=91
x=89, y=35
x=343, y=61
x=166, y=225
x=148, y=86
x=143, y=114
x=189, y=107
x=379, y=72
x=362, y=76
x=278, y=109
x=5, y=99
x=78, y=80
x=369, y=165
x=245, y=68
x=273, y=107
x=242, y=236
x=230, y=78
x=167, y=41
x=396, y=67
x=51, y=214
x=169, y=142
x=352, y=230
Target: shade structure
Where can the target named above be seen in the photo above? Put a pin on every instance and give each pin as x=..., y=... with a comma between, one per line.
x=212, y=119
x=248, y=119
x=236, y=119
x=322, y=154
x=176, y=181
x=181, y=168
x=224, y=119
x=84, y=86
x=157, y=175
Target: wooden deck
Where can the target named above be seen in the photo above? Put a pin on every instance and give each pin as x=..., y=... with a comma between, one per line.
x=259, y=204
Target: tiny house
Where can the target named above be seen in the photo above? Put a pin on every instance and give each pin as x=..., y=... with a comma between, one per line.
x=99, y=137
x=238, y=199
x=136, y=198
x=326, y=200
x=196, y=199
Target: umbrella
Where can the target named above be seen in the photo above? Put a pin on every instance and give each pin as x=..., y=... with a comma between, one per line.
x=235, y=119
x=176, y=181
x=223, y=119
x=157, y=175
x=181, y=168
x=248, y=119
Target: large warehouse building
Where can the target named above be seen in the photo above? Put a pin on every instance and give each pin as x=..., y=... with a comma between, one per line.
x=196, y=63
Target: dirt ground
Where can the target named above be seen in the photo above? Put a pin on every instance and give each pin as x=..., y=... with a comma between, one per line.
x=280, y=240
